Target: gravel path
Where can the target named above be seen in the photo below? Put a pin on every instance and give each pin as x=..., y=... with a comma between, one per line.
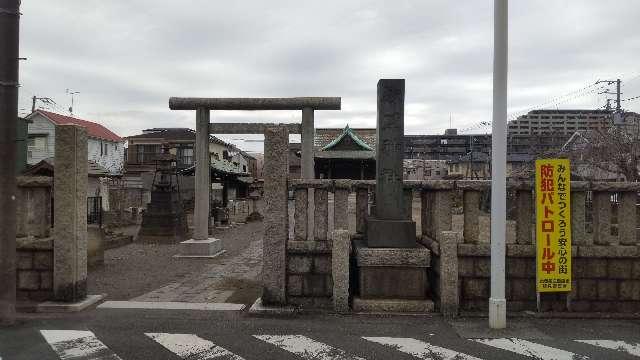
x=137, y=269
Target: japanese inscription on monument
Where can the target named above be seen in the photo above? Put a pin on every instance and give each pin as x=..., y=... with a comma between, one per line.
x=388, y=226
x=390, y=133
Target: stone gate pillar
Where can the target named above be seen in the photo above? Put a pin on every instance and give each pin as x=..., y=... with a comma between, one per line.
x=276, y=215
x=203, y=176
x=307, y=139
x=70, y=214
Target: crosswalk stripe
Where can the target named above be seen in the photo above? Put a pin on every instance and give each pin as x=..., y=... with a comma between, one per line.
x=420, y=349
x=531, y=349
x=306, y=348
x=74, y=344
x=192, y=347
x=631, y=349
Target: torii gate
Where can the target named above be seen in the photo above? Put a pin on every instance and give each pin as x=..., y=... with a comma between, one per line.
x=203, y=106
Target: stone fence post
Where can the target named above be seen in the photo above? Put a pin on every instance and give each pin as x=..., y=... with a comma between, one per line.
x=449, y=300
x=341, y=252
x=276, y=215
x=70, y=214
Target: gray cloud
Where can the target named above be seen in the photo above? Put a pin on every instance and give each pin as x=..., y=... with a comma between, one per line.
x=128, y=58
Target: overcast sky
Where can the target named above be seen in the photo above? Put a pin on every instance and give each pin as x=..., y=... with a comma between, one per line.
x=126, y=58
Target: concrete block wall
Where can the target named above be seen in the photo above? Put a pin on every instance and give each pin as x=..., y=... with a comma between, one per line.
x=34, y=269
x=309, y=280
x=605, y=279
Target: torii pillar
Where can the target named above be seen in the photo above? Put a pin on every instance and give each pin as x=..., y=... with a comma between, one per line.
x=204, y=105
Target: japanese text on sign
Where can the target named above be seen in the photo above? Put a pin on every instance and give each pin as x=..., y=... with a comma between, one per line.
x=553, y=225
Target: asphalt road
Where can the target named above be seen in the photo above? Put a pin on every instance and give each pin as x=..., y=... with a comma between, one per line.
x=153, y=334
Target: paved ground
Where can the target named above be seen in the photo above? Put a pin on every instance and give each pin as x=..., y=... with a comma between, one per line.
x=198, y=335
x=150, y=272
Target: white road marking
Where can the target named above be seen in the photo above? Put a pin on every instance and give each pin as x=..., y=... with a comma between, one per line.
x=625, y=347
x=420, y=349
x=171, y=306
x=306, y=348
x=192, y=347
x=531, y=349
x=73, y=344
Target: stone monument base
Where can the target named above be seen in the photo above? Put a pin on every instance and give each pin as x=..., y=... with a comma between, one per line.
x=393, y=279
x=392, y=305
x=391, y=233
x=208, y=248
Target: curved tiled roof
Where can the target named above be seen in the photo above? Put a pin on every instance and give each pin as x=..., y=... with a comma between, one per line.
x=348, y=132
x=94, y=130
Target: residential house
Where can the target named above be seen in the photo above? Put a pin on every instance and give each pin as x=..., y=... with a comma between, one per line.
x=143, y=151
x=105, y=148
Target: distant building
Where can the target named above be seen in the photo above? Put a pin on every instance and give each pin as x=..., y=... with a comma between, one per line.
x=473, y=166
x=546, y=131
x=449, y=146
x=418, y=169
x=560, y=122
x=105, y=148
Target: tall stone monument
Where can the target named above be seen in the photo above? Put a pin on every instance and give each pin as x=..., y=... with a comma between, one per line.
x=392, y=266
x=389, y=227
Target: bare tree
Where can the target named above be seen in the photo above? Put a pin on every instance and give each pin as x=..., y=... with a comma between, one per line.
x=605, y=154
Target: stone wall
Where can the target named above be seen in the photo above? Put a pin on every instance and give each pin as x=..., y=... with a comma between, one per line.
x=309, y=281
x=33, y=206
x=34, y=269
x=605, y=279
x=454, y=219
x=605, y=251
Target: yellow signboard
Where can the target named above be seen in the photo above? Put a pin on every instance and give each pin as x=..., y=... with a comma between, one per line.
x=553, y=225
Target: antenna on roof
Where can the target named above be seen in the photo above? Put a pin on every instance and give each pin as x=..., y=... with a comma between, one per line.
x=71, y=92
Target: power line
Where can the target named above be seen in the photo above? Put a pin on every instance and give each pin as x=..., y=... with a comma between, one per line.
x=632, y=98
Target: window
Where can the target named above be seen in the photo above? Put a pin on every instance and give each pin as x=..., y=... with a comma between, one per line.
x=244, y=168
x=147, y=153
x=37, y=142
x=186, y=156
x=106, y=149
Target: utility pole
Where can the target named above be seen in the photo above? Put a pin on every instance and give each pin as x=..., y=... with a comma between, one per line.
x=618, y=82
x=618, y=106
x=497, y=301
x=9, y=38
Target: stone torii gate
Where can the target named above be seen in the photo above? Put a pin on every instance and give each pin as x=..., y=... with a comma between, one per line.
x=203, y=106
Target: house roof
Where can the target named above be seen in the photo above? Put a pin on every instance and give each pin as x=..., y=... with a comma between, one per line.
x=217, y=166
x=46, y=168
x=348, y=132
x=94, y=129
x=181, y=134
x=166, y=134
x=324, y=136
